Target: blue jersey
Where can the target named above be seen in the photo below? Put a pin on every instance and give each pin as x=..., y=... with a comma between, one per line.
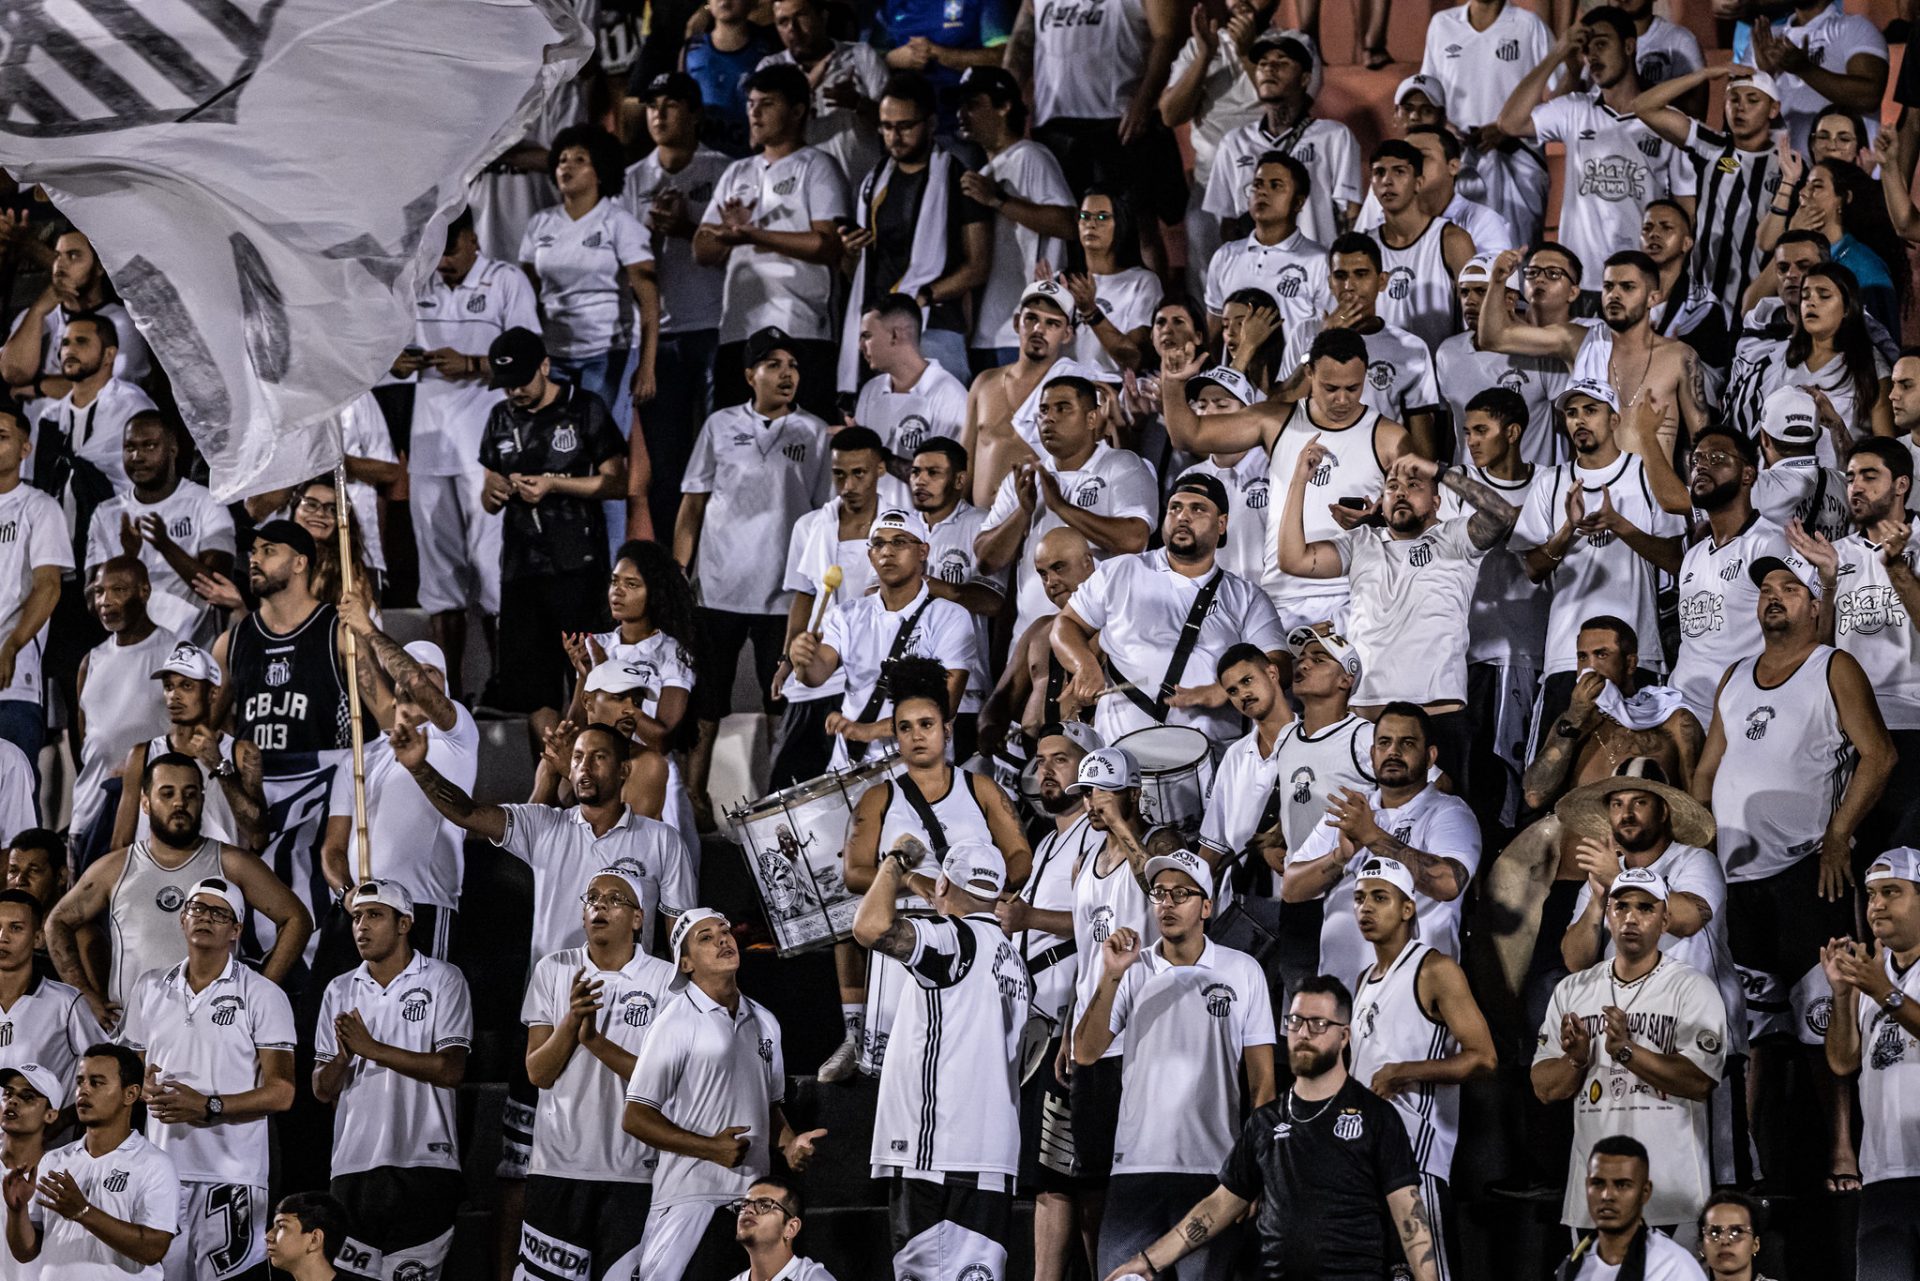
x=952, y=24
x=722, y=78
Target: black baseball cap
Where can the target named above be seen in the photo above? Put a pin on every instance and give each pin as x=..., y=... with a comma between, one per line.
x=995, y=82
x=288, y=534
x=1207, y=487
x=674, y=84
x=516, y=357
x=764, y=342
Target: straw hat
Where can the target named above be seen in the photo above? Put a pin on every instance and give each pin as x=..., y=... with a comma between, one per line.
x=1585, y=808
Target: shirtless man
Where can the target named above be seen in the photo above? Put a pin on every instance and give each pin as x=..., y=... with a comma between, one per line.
x=1002, y=406
x=1624, y=349
x=1033, y=682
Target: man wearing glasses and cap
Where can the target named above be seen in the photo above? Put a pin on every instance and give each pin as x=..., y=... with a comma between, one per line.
x=705, y=1094
x=1466, y=371
x=1164, y=618
x=768, y=1219
x=389, y=1051
x=232, y=805
x=218, y=1043
x=588, y=1012
x=946, y=1131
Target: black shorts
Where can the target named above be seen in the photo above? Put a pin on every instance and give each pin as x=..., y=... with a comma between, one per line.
x=1148, y=169
x=721, y=634
x=534, y=669
x=1778, y=924
x=1096, y=1118
x=398, y=1211
x=575, y=1227
x=1888, y=1246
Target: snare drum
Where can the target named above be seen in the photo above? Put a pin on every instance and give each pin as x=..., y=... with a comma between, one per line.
x=793, y=842
x=1176, y=772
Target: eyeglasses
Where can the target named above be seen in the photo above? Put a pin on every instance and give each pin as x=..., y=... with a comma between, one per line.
x=1548, y=274
x=593, y=898
x=1732, y=1232
x=1315, y=1027
x=1091, y=215
x=1174, y=894
x=901, y=126
x=207, y=912
x=1718, y=458
x=759, y=1205
x=314, y=507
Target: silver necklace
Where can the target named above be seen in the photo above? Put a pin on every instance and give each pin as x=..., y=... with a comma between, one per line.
x=1307, y=1120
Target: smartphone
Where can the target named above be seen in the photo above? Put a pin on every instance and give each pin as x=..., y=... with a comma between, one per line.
x=1354, y=504
x=413, y=350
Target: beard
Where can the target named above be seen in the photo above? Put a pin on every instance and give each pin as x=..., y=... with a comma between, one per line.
x=180, y=829
x=1405, y=521
x=1308, y=1064
x=1717, y=498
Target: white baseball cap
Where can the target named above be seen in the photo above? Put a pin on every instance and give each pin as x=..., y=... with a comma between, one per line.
x=901, y=520
x=1592, y=388
x=223, y=889
x=1426, y=86
x=976, y=867
x=1229, y=380
x=1478, y=270
x=189, y=660
x=385, y=893
x=628, y=879
x=1790, y=414
x=1079, y=733
x=1756, y=79
x=1639, y=878
x=1052, y=293
x=1902, y=863
x=1338, y=647
x=428, y=654
x=1390, y=870
x=1110, y=769
x=685, y=925
x=613, y=677
x=39, y=1079
x=1187, y=863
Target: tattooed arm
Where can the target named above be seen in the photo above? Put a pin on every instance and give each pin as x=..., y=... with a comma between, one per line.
x=1202, y=1224
x=1416, y=1233
x=878, y=924
x=409, y=676
x=1493, y=516
x=1434, y=875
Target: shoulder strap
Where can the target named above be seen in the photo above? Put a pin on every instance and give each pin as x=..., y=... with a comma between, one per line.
x=936, y=830
x=894, y=653
x=1189, y=638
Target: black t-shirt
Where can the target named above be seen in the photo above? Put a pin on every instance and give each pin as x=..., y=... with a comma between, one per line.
x=1321, y=1173
x=894, y=222
x=572, y=436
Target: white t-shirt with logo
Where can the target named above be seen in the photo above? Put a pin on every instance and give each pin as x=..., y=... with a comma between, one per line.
x=584, y=296
x=689, y=292
x=936, y=405
x=135, y=1183
x=1719, y=610
x=1325, y=147
x=193, y=520
x=1411, y=598
x=413, y=843
x=1871, y=623
x=1615, y=165
x=95, y=433
x=763, y=474
x=766, y=288
x=450, y=414
x=33, y=535
x=1481, y=69
x=1072, y=37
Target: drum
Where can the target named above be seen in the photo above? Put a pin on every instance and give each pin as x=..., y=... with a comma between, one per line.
x=1176, y=772
x=793, y=842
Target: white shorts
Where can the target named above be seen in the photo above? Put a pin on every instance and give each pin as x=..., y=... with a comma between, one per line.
x=223, y=1232
x=672, y=1236
x=459, y=543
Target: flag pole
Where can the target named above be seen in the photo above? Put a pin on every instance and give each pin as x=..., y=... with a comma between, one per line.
x=344, y=510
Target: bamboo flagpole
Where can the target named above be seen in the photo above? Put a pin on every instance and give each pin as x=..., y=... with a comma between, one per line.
x=344, y=511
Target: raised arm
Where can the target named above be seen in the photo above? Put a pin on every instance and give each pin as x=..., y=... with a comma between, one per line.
x=1516, y=115
x=1658, y=107
x=1499, y=331
x=1296, y=555
x=489, y=822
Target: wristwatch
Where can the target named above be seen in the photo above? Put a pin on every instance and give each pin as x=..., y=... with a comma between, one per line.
x=1894, y=1000
x=1566, y=728
x=225, y=769
x=216, y=1107
x=1623, y=1054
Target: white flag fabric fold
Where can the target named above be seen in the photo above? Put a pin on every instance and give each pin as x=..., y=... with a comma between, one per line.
x=267, y=181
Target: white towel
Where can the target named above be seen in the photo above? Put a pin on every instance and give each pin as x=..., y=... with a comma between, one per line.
x=927, y=263
x=1648, y=709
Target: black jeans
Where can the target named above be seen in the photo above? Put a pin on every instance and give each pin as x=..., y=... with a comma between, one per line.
x=683, y=372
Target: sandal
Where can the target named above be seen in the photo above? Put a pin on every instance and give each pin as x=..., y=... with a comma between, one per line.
x=1841, y=1182
x=1378, y=58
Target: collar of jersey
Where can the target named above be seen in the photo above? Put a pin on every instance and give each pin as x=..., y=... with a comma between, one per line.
x=178, y=979
x=416, y=965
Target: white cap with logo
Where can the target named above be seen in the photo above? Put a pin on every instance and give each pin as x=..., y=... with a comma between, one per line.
x=1187, y=863
x=1111, y=769
x=189, y=660
x=384, y=893
x=1593, y=389
x=976, y=867
x=1644, y=879
x=1790, y=414
x=1428, y=87
x=38, y=1078
x=1390, y=870
x=1902, y=863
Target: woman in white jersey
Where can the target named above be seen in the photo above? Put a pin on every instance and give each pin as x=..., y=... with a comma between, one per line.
x=1113, y=295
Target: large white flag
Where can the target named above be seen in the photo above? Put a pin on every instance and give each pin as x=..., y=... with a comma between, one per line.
x=266, y=181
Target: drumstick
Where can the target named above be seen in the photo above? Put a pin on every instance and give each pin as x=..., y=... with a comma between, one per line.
x=831, y=582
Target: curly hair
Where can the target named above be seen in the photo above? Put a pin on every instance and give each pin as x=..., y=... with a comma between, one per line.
x=602, y=148
x=669, y=594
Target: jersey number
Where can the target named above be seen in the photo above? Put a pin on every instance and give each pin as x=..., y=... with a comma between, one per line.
x=270, y=738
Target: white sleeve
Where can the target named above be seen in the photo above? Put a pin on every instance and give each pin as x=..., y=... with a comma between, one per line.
x=103, y=535
x=827, y=197
x=1322, y=841
x=1215, y=291
x=702, y=466
x=1551, y=119
x=216, y=522
x=528, y=827
x=1005, y=504
x=47, y=541
x=678, y=892
x=522, y=309
x=272, y=1019
x=1256, y=1011
x=1224, y=197
x=1089, y=599
x=159, y=1204
x=1547, y=1044
x=527, y=243
x=1123, y=997
x=1700, y=1036
x=1423, y=388
x=1451, y=832
x=1700, y=875
x=1135, y=492
x=800, y=542
x=453, y=1026
x=1344, y=163
x=539, y=1005
x=631, y=244
x=658, y=1067
x=722, y=192
x=325, y=1047
x=1535, y=524
x=1260, y=627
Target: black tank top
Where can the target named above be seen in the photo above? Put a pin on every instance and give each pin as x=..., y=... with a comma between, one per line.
x=289, y=693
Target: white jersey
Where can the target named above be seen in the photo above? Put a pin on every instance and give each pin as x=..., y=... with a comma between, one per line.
x=814, y=547
x=563, y=851
x=584, y=298
x=1416, y=293
x=1025, y=171
x=1615, y=165
x=949, y=1100
x=1672, y=1010
x=1786, y=767
x=839, y=131
x=384, y=1119
x=1665, y=51
x=135, y=1183
x=1292, y=270
x=1325, y=147
x=1832, y=39
x=1481, y=69
x=1463, y=371
x=1806, y=490
x=576, y=1128
x=1112, y=482
x=95, y=432
x=865, y=634
x=195, y=522
x=689, y=292
x=935, y=405
x=1434, y=822
x=766, y=288
x=216, y=811
x=664, y=664
x=1249, y=494
x=1051, y=959
x=1351, y=469
x=33, y=535
x=450, y=414
x=52, y=1025
x=1127, y=299
x=1140, y=606
x=1889, y=1084
x=210, y=1040
x=1315, y=766
x=1719, y=610
x=1601, y=574
x=705, y=1069
x=1400, y=377
x=1411, y=600
x=1070, y=36
x=1101, y=905
x=763, y=475
x=1507, y=625
x=1242, y=783
x=1190, y=1027
x=143, y=912
x=122, y=707
x=1871, y=623
x=1391, y=1026
x=1489, y=231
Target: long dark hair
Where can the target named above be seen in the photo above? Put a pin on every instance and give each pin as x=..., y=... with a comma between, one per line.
x=1863, y=215
x=669, y=595
x=1126, y=237
x=1852, y=340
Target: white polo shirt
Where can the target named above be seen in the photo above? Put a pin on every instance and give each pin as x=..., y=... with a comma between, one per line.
x=1326, y=147
x=1432, y=822
x=705, y=1070
x=936, y=405
x=52, y=1025
x=584, y=296
x=1293, y=270
x=210, y=1040
x=412, y=842
x=863, y=630
x=1189, y=1027
x=382, y=1119
x=564, y=854
x=1139, y=604
x=1112, y=482
x=576, y=1128
x=135, y=1183
x=96, y=432
x=764, y=474
x=797, y=1269
x=1871, y=623
x=1411, y=600
x=450, y=414
x=33, y=534
x=1242, y=781
x=689, y=292
x=767, y=288
x=192, y=519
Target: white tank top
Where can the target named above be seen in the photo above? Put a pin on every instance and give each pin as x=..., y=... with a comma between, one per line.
x=1088, y=57
x=1785, y=769
x=143, y=913
x=216, y=815
x=1049, y=888
x=1418, y=293
x=1389, y=1026
x=1351, y=469
x=122, y=705
x=1101, y=905
x=959, y=813
x=1594, y=359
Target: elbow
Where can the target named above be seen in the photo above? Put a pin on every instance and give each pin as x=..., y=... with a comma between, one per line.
x=1133, y=540
x=1543, y=1087
x=1480, y=1062
x=1084, y=1055
x=278, y=1097
x=863, y=933
x=151, y=1248
x=1292, y=891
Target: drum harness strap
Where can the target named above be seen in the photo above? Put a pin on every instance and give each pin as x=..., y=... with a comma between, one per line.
x=1037, y=965
x=879, y=695
x=1251, y=873
x=1182, y=651
x=936, y=831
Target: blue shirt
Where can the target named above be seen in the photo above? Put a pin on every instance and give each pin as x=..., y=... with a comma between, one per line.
x=722, y=78
x=952, y=24
x=1876, y=284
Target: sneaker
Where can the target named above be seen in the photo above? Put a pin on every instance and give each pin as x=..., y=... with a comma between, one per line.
x=841, y=1063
